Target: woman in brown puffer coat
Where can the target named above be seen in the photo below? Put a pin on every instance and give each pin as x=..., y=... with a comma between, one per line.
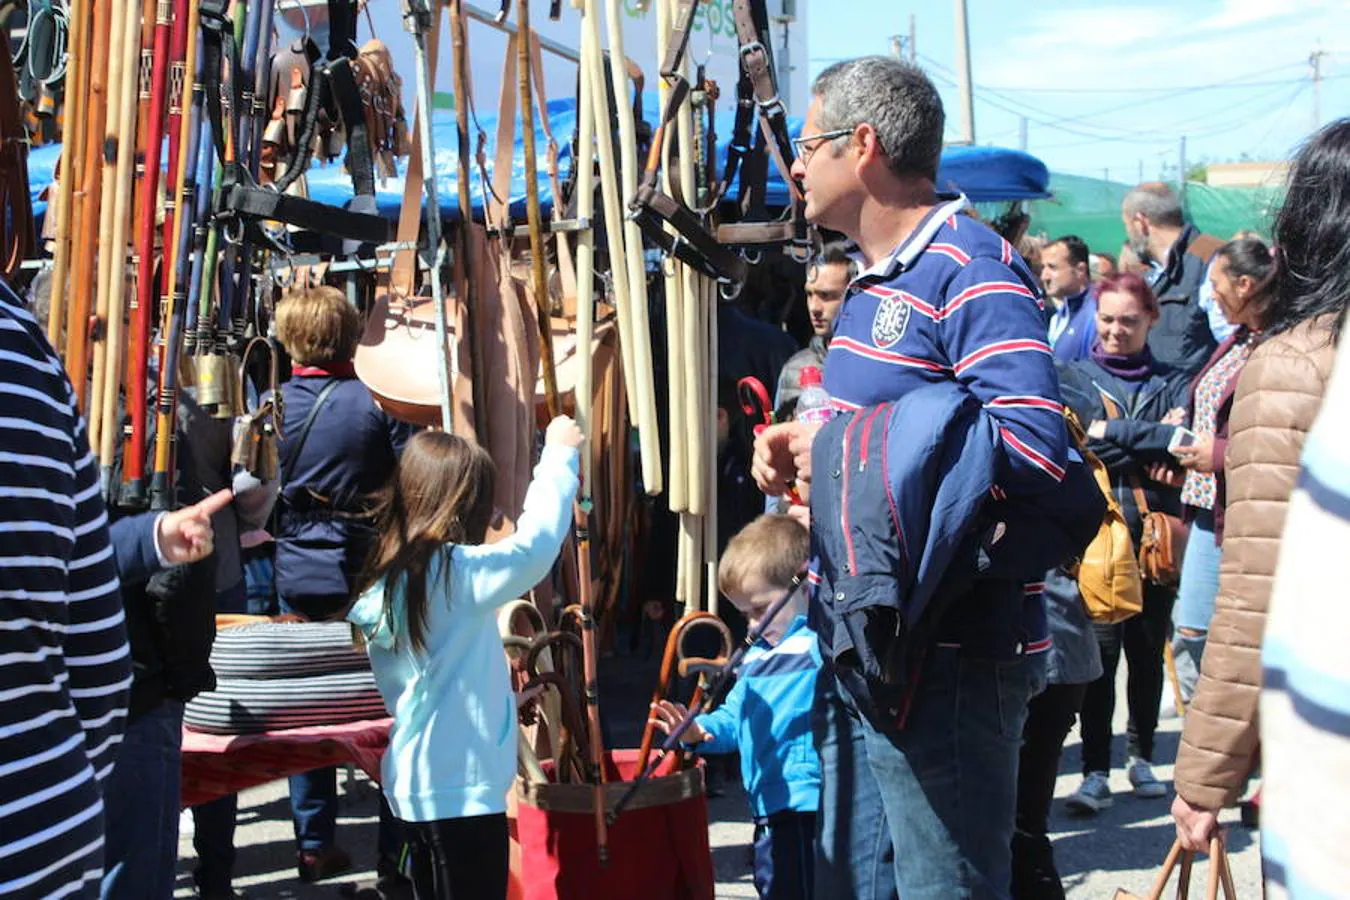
x=1278, y=396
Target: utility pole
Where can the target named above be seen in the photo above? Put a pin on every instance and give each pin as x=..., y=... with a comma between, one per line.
x=1181, y=171
x=1141, y=171
x=1022, y=134
x=783, y=58
x=1315, y=60
x=913, y=41
x=963, y=78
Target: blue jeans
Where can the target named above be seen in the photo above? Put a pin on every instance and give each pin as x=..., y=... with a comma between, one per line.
x=948, y=780
x=785, y=855
x=313, y=809
x=1195, y=601
x=140, y=798
x=854, y=859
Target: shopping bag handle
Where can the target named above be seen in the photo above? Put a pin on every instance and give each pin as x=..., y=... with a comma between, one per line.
x=1219, y=872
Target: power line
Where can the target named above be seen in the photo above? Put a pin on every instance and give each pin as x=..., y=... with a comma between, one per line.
x=1101, y=133
x=1082, y=118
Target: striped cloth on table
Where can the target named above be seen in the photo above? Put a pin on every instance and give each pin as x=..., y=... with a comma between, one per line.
x=1305, y=704
x=272, y=676
x=64, y=664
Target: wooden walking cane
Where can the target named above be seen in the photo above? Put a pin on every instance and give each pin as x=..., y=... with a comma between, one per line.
x=677, y=484
x=533, y=215
x=72, y=149
x=178, y=272
x=133, y=459
x=84, y=283
x=129, y=46
x=109, y=255
x=645, y=410
x=586, y=131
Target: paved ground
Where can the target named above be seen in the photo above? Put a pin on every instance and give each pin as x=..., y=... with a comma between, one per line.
x=1120, y=848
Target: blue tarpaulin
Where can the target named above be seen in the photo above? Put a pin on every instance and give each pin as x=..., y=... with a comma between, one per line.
x=984, y=174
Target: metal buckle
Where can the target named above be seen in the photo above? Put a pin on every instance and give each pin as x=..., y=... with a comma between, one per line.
x=751, y=47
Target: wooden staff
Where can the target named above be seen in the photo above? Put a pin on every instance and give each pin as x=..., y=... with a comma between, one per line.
x=533, y=216
x=109, y=255
x=122, y=195
x=465, y=261
x=174, y=306
x=178, y=46
x=590, y=86
x=709, y=306
x=71, y=165
x=87, y=234
x=677, y=496
x=645, y=410
x=593, y=69
x=133, y=458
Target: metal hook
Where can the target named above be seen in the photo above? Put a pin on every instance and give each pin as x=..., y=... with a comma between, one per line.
x=304, y=12
x=729, y=290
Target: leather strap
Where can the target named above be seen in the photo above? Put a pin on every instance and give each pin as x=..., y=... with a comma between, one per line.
x=403, y=274
x=293, y=458
x=1113, y=412
x=562, y=248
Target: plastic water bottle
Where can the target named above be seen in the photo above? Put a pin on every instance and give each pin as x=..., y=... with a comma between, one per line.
x=813, y=404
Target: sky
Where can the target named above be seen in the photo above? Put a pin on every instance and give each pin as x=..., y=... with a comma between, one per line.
x=1110, y=87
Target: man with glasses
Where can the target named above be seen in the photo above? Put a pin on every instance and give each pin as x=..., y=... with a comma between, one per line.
x=940, y=297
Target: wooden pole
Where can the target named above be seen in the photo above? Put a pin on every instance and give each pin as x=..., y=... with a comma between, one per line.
x=109, y=254
x=122, y=195
x=72, y=151
x=83, y=287
x=677, y=483
x=645, y=411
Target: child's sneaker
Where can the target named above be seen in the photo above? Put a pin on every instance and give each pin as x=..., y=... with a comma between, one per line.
x=1146, y=786
x=1093, y=796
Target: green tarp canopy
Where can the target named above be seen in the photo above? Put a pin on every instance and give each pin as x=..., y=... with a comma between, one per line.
x=1090, y=208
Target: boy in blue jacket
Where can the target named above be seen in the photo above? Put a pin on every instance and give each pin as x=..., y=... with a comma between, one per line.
x=767, y=714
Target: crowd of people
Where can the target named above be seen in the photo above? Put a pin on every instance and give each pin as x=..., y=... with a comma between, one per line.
x=900, y=721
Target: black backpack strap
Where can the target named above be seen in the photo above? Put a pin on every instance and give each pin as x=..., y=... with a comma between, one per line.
x=293, y=457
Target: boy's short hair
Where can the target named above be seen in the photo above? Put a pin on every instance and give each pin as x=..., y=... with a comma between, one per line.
x=774, y=547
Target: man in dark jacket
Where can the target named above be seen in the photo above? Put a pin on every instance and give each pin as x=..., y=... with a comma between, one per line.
x=171, y=626
x=827, y=279
x=1192, y=323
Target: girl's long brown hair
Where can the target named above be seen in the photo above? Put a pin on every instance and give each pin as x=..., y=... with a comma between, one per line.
x=441, y=493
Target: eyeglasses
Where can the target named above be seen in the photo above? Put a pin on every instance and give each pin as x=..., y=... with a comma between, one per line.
x=807, y=146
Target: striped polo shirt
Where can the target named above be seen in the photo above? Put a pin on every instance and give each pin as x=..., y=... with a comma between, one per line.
x=64, y=664
x=954, y=301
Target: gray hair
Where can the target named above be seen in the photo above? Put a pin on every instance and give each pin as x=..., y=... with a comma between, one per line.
x=896, y=99
x=1158, y=203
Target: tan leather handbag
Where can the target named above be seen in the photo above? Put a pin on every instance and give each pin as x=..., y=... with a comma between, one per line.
x=1107, y=573
x=1162, y=542
x=1219, y=873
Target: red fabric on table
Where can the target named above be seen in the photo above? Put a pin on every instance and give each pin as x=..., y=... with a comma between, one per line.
x=655, y=853
x=215, y=765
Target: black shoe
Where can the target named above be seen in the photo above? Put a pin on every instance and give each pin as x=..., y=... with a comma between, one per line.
x=316, y=865
x=1033, y=868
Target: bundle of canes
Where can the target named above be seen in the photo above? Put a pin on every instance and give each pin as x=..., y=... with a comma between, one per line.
x=121, y=84
x=691, y=349
x=177, y=246
x=116, y=251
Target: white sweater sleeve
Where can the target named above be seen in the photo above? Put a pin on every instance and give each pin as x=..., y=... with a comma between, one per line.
x=498, y=573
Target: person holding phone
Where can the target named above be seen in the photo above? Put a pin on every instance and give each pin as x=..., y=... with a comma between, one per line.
x=1239, y=278
x=1124, y=392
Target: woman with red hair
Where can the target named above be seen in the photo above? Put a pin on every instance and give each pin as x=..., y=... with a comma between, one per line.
x=1124, y=393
